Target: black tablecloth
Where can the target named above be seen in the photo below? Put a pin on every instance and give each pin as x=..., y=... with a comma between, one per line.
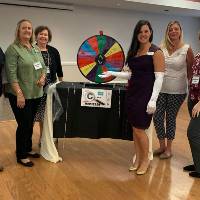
x=88, y=122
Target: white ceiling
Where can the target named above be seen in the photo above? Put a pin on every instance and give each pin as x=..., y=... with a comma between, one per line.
x=170, y=7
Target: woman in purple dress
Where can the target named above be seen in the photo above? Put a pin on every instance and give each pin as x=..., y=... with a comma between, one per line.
x=146, y=62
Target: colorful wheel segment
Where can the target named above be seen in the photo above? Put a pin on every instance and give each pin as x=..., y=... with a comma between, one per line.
x=98, y=54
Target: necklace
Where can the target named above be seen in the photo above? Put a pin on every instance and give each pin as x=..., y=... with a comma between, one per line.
x=47, y=59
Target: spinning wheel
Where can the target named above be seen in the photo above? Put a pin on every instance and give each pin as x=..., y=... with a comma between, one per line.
x=98, y=54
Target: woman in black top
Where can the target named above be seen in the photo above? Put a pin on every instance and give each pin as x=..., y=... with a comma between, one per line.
x=52, y=61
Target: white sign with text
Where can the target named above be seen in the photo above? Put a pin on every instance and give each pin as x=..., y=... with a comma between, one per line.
x=96, y=98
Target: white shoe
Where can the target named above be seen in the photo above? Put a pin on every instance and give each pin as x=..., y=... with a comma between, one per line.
x=132, y=168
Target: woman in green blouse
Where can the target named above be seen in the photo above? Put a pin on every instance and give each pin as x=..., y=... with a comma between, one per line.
x=25, y=70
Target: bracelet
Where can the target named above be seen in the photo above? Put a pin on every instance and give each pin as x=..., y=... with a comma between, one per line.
x=43, y=76
x=19, y=91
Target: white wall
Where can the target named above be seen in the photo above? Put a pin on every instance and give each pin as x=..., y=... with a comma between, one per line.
x=70, y=29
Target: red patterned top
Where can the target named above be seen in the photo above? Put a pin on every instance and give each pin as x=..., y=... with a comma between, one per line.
x=195, y=87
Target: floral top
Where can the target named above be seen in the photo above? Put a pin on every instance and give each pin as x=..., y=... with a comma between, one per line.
x=195, y=80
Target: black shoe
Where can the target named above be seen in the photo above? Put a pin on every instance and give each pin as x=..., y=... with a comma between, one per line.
x=194, y=174
x=26, y=164
x=1, y=168
x=189, y=168
x=33, y=155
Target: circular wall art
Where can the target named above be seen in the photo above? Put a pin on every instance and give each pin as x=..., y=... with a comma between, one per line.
x=98, y=54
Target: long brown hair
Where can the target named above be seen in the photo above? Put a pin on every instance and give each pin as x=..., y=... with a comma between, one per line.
x=135, y=43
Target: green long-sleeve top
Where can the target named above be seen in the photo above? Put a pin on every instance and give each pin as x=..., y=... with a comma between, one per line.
x=20, y=69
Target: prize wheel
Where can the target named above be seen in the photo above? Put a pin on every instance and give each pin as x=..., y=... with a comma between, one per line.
x=98, y=54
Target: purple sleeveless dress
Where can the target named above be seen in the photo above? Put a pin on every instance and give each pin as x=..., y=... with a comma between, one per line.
x=140, y=89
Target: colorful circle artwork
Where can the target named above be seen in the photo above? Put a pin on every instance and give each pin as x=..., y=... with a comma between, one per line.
x=98, y=54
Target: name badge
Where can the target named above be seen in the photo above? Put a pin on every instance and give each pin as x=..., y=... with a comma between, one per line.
x=48, y=70
x=195, y=79
x=150, y=53
x=37, y=65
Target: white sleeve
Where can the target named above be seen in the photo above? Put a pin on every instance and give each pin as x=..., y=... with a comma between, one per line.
x=123, y=75
x=151, y=106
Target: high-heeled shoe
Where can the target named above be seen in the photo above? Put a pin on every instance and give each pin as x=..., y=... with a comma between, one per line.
x=132, y=168
x=1, y=168
x=141, y=172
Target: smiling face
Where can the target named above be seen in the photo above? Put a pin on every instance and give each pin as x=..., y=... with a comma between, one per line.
x=25, y=31
x=42, y=37
x=144, y=34
x=174, y=32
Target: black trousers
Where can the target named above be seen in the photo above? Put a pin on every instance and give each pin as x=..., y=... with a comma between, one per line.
x=24, y=117
x=164, y=118
x=193, y=133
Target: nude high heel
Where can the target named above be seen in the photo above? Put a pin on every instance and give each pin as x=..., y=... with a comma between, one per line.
x=144, y=171
x=133, y=168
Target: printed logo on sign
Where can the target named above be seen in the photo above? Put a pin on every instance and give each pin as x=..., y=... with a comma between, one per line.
x=100, y=93
x=90, y=96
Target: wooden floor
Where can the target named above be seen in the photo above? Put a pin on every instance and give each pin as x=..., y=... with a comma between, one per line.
x=96, y=170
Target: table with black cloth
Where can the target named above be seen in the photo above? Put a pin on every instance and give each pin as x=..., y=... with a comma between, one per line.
x=66, y=118
x=91, y=122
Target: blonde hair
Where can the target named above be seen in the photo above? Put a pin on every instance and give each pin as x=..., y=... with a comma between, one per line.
x=17, y=39
x=167, y=43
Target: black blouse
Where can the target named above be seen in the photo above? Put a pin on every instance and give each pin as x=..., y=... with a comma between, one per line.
x=55, y=66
